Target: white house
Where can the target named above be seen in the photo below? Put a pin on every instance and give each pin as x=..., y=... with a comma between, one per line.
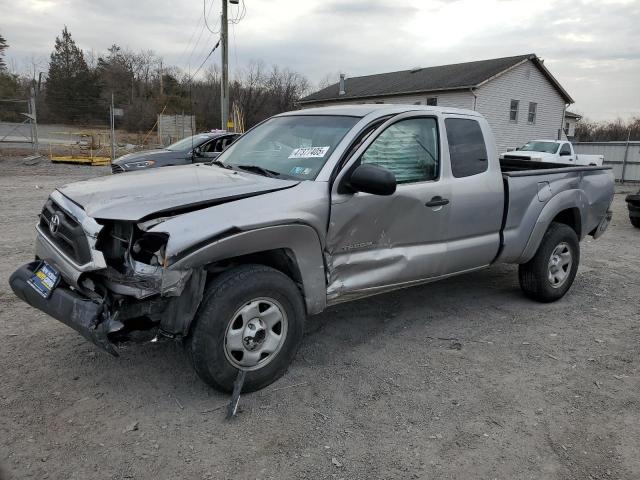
x=570, y=120
x=518, y=95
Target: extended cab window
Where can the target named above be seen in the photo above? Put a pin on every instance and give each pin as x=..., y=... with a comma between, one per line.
x=466, y=147
x=409, y=149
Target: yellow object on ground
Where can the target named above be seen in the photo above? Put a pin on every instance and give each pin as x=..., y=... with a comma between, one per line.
x=101, y=161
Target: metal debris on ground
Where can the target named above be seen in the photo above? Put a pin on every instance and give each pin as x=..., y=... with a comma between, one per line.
x=31, y=160
x=132, y=427
x=232, y=408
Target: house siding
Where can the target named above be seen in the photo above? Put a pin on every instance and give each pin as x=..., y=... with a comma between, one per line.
x=524, y=83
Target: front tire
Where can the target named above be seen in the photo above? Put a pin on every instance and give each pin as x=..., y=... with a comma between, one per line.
x=251, y=318
x=635, y=221
x=550, y=273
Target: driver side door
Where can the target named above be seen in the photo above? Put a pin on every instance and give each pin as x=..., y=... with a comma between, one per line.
x=375, y=242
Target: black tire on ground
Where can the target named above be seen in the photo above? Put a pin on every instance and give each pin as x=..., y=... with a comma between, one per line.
x=223, y=297
x=534, y=275
x=635, y=221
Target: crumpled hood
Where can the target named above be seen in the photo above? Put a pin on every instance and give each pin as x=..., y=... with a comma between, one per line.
x=137, y=195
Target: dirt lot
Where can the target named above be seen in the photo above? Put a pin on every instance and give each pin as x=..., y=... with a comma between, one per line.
x=461, y=379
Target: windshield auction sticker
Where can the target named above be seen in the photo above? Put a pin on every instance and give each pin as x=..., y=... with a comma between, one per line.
x=309, y=152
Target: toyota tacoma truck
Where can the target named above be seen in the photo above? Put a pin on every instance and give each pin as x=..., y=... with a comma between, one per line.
x=307, y=209
x=553, y=151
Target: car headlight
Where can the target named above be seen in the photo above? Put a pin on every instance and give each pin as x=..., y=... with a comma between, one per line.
x=140, y=164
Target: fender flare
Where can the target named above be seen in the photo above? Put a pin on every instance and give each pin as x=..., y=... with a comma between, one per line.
x=301, y=240
x=566, y=200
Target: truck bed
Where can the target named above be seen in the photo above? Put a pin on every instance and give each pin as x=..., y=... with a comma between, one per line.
x=530, y=187
x=524, y=168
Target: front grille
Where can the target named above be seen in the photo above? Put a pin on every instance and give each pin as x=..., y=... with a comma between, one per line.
x=116, y=168
x=65, y=233
x=516, y=157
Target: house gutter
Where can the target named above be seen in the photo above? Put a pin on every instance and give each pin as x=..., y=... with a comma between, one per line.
x=564, y=112
x=475, y=97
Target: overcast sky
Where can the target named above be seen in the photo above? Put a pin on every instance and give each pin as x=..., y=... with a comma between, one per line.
x=591, y=46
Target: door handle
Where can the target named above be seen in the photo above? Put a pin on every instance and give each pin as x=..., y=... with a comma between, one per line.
x=437, y=201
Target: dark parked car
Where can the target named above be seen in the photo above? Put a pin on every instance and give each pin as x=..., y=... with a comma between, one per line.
x=202, y=147
x=633, y=202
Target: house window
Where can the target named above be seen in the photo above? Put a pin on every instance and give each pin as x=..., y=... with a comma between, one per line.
x=533, y=107
x=566, y=128
x=417, y=103
x=432, y=101
x=513, y=111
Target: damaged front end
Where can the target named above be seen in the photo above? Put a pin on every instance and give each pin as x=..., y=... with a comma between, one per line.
x=114, y=277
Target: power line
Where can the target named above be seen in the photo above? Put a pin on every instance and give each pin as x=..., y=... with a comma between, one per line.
x=206, y=58
x=193, y=33
x=204, y=15
x=199, y=36
x=242, y=12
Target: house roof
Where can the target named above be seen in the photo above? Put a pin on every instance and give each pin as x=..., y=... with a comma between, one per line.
x=458, y=76
x=569, y=114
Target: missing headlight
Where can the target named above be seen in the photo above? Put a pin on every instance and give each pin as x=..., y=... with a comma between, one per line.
x=149, y=248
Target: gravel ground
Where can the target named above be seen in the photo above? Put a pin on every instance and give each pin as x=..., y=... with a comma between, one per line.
x=460, y=379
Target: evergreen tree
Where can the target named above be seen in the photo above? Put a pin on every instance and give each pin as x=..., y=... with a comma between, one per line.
x=9, y=86
x=72, y=91
x=3, y=46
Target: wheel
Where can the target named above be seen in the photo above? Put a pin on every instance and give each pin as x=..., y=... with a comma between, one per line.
x=252, y=318
x=635, y=221
x=550, y=273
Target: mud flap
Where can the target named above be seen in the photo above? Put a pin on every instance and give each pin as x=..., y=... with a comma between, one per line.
x=604, y=224
x=88, y=318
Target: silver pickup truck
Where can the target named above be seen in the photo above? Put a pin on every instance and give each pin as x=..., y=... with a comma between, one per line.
x=307, y=209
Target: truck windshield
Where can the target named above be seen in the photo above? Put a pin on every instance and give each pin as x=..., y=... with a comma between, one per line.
x=292, y=146
x=546, y=147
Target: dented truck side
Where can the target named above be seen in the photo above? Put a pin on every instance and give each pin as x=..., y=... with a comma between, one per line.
x=232, y=257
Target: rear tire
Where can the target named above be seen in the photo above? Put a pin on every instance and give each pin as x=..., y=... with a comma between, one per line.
x=251, y=317
x=550, y=273
x=635, y=221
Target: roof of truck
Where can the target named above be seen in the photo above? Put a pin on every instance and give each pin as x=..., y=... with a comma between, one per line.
x=362, y=110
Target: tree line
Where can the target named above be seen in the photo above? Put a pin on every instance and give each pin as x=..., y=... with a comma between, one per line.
x=79, y=86
x=617, y=130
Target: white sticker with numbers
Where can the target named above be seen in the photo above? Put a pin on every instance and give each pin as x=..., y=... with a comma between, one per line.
x=309, y=152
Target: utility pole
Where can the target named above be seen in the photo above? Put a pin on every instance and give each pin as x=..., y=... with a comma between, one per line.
x=34, y=120
x=113, y=135
x=626, y=154
x=224, y=88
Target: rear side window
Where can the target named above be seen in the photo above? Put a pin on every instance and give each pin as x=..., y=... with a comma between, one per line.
x=466, y=147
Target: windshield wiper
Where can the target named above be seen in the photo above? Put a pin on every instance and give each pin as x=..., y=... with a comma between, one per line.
x=220, y=164
x=259, y=170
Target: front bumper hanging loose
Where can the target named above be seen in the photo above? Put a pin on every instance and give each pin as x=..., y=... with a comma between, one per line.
x=90, y=319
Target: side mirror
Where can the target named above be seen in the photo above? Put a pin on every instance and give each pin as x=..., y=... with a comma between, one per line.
x=565, y=154
x=197, y=152
x=373, y=179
